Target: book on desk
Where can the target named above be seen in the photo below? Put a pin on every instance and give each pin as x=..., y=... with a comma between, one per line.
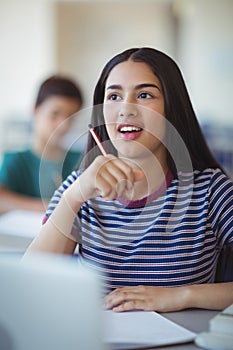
x=220, y=333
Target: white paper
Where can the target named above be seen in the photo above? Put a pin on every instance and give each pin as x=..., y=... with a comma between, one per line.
x=140, y=329
x=21, y=223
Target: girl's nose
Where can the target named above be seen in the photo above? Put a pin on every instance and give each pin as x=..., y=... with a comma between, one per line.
x=128, y=110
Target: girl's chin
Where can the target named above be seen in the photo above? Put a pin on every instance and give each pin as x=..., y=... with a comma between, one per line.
x=130, y=152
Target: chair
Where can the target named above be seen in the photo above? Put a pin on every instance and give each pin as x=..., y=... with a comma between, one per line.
x=224, y=272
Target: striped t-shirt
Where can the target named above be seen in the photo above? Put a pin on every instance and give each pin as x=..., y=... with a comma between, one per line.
x=169, y=240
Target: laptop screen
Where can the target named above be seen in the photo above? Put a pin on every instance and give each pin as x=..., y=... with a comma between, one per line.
x=50, y=303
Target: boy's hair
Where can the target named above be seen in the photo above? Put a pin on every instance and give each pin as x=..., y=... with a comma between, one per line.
x=178, y=108
x=58, y=85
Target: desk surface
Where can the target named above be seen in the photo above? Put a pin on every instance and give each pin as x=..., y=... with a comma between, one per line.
x=17, y=229
x=196, y=320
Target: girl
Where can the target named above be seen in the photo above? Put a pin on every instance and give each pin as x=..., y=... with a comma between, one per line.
x=153, y=214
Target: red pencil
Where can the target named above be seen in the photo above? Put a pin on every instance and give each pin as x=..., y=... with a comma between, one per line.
x=97, y=140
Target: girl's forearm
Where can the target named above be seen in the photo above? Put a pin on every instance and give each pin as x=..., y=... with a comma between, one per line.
x=54, y=236
x=215, y=296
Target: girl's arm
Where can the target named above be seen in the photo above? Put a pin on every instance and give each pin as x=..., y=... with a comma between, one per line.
x=102, y=177
x=214, y=296
x=54, y=236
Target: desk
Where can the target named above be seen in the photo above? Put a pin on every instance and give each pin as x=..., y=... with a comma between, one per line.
x=17, y=229
x=196, y=320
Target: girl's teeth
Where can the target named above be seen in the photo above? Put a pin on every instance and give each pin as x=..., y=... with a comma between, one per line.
x=129, y=129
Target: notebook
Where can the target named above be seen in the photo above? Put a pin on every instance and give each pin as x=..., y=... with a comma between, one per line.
x=142, y=330
x=49, y=303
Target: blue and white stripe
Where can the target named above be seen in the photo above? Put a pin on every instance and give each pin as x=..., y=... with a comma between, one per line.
x=171, y=241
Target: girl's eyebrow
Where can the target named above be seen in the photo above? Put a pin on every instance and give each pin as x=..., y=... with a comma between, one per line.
x=137, y=87
x=146, y=85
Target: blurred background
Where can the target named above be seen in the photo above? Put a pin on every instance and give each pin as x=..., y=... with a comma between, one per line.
x=40, y=38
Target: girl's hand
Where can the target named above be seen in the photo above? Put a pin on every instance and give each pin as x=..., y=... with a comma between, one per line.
x=109, y=177
x=159, y=299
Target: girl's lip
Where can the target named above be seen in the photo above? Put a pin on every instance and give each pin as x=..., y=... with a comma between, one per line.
x=129, y=135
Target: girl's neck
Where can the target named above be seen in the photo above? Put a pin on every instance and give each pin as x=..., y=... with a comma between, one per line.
x=135, y=203
x=154, y=176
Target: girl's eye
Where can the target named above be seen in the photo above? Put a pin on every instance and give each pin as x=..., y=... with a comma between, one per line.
x=145, y=95
x=113, y=97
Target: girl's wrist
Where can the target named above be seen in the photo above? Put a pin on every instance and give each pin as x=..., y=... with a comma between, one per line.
x=195, y=296
x=73, y=196
x=186, y=297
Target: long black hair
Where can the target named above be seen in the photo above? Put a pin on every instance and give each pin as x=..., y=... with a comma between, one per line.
x=178, y=109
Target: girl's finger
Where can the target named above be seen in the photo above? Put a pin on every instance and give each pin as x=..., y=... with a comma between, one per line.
x=138, y=175
x=105, y=188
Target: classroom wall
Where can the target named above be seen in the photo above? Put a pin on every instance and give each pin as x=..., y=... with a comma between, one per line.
x=206, y=56
x=90, y=33
x=27, y=42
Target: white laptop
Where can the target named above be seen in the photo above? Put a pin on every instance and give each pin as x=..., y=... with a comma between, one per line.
x=48, y=303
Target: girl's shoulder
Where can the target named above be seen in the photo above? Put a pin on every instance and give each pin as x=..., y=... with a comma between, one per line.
x=70, y=179
x=206, y=180
x=214, y=181
x=212, y=175
x=207, y=175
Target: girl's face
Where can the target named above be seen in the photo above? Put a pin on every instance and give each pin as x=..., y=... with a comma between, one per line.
x=52, y=117
x=134, y=110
